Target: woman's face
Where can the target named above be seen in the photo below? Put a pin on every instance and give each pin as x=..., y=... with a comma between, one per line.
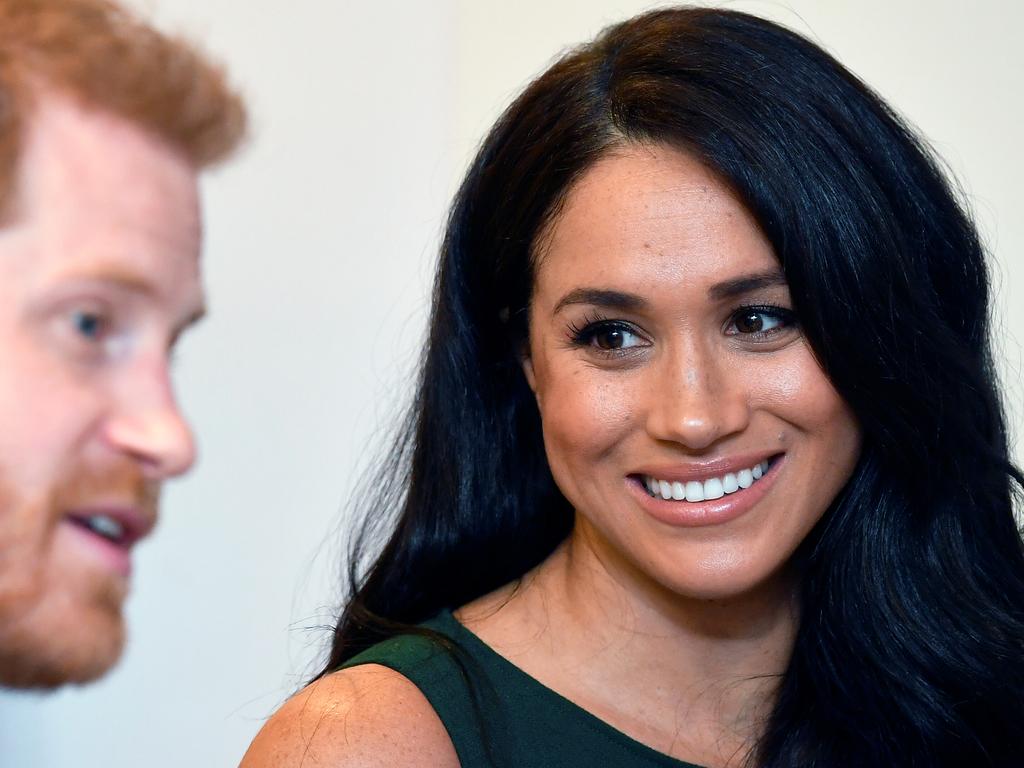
x=685, y=416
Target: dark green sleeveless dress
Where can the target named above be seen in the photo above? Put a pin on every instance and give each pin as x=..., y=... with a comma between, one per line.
x=498, y=716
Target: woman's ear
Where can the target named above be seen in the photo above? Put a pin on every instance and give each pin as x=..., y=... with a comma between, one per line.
x=527, y=362
x=525, y=359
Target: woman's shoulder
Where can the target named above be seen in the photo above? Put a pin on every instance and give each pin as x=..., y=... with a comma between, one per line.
x=359, y=717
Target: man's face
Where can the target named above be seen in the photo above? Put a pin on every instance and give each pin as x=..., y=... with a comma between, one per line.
x=99, y=275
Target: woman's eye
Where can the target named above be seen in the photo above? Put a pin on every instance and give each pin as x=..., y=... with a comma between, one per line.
x=756, y=321
x=615, y=338
x=607, y=336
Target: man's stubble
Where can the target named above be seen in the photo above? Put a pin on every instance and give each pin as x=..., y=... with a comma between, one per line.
x=59, y=622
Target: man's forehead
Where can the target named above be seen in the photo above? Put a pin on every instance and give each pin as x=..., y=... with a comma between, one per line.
x=102, y=199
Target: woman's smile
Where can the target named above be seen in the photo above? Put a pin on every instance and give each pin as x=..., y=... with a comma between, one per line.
x=712, y=493
x=704, y=482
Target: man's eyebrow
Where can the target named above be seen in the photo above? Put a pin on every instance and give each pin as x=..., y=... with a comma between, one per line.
x=741, y=285
x=133, y=283
x=601, y=297
x=119, y=278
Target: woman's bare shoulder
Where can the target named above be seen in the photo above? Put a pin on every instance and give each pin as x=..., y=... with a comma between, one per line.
x=362, y=717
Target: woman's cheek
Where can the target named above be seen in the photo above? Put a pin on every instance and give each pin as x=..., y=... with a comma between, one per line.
x=587, y=414
x=794, y=388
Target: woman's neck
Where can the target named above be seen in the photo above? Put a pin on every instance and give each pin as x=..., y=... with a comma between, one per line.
x=693, y=678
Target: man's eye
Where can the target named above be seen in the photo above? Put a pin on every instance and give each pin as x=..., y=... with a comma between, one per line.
x=90, y=325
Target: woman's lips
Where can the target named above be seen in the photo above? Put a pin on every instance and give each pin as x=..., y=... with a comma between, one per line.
x=710, y=511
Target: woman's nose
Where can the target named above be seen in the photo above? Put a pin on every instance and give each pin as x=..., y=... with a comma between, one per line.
x=697, y=398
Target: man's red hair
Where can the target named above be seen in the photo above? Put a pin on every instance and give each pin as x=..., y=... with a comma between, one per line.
x=106, y=57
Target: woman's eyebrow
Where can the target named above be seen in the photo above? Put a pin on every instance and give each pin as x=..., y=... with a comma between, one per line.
x=741, y=285
x=601, y=297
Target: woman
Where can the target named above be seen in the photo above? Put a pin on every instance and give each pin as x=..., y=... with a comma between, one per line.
x=707, y=456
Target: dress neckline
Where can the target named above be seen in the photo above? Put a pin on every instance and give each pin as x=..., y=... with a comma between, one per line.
x=461, y=633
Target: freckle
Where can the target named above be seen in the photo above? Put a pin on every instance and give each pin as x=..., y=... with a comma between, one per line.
x=647, y=246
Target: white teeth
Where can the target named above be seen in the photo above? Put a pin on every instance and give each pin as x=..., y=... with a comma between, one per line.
x=106, y=526
x=712, y=488
x=694, y=491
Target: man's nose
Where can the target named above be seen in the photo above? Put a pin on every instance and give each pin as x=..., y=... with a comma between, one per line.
x=146, y=424
x=698, y=398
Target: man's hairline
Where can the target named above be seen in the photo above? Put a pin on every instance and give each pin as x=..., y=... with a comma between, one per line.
x=34, y=98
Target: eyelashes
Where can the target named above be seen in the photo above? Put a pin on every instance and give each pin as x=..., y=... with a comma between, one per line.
x=605, y=334
x=761, y=321
x=752, y=323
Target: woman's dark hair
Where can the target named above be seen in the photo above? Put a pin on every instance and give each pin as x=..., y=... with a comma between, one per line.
x=910, y=649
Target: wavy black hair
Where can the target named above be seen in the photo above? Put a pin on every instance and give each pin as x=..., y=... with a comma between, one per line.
x=910, y=649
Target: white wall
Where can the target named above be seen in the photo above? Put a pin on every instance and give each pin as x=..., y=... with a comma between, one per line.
x=319, y=247
x=317, y=256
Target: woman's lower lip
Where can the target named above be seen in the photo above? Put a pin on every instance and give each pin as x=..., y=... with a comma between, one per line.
x=695, y=514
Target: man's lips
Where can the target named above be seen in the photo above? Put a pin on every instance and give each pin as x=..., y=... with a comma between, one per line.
x=122, y=525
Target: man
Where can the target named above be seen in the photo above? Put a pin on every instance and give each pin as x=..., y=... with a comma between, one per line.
x=104, y=124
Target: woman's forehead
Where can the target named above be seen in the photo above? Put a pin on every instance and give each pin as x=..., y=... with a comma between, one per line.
x=651, y=213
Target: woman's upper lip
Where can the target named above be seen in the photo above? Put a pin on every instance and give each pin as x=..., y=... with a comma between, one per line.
x=685, y=471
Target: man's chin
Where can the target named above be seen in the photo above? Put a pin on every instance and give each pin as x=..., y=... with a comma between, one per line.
x=45, y=661
x=62, y=590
